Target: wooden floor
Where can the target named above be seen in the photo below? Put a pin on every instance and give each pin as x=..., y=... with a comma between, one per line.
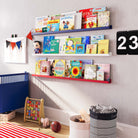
x=64, y=133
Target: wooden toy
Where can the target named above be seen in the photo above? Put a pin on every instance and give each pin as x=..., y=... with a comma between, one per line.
x=34, y=110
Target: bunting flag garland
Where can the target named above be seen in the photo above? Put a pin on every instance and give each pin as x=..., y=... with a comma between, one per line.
x=18, y=44
x=13, y=44
x=29, y=36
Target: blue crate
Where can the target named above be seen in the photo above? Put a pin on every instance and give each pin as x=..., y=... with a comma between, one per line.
x=14, y=88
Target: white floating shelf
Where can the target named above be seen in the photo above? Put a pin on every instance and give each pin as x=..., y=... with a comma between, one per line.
x=71, y=55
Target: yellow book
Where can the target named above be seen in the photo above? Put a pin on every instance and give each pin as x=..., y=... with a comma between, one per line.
x=37, y=67
x=91, y=49
x=103, y=46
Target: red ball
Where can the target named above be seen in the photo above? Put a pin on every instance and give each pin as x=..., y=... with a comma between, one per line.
x=56, y=126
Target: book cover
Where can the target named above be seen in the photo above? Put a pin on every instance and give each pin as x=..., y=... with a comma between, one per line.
x=59, y=68
x=76, y=69
x=45, y=21
x=38, y=24
x=54, y=46
x=80, y=48
x=98, y=9
x=56, y=17
x=62, y=43
x=68, y=69
x=106, y=69
x=91, y=21
x=103, y=46
x=53, y=26
x=103, y=19
x=46, y=44
x=85, y=12
x=71, y=45
x=44, y=67
x=37, y=67
x=67, y=22
x=100, y=75
x=78, y=18
x=90, y=72
x=96, y=38
x=91, y=49
x=52, y=62
x=85, y=62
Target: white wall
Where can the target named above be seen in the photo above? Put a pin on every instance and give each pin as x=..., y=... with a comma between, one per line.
x=18, y=17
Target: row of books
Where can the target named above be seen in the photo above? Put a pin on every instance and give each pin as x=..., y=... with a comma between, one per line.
x=84, y=69
x=95, y=44
x=84, y=18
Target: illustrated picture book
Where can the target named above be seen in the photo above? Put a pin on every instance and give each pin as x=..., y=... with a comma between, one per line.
x=96, y=38
x=106, y=69
x=62, y=43
x=54, y=46
x=103, y=18
x=59, y=68
x=53, y=25
x=68, y=69
x=44, y=67
x=80, y=48
x=71, y=45
x=67, y=22
x=91, y=21
x=47, y=44
x=100, y=75
x=76, y=69
x=103, y=46
x=90, y=72
x=91, y=49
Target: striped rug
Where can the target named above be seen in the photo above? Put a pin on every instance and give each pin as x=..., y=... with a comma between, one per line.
x=10, y=130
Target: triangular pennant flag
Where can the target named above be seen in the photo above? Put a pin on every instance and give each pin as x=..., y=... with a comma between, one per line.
x=13, y=45
x=29, y=36
x=7, y=43
x=18, y=44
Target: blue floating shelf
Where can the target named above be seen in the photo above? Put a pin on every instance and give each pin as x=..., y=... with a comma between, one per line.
x=74, y=30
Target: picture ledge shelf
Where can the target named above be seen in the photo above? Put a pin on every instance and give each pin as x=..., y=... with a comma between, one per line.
x=74, y=30
x=76, y=79
x=71, y=55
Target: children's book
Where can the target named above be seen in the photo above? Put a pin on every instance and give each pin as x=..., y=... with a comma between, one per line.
x=80, y=48
x=56, y=17
x=52, y=62
x=46, y=44
x=37, y=67
x=85, y=62
x=91, y=21
x=90, y=72
x=45, y=20
x=62, y=43
x=78, y=18
x=44, y=67
x=106, y=69
x=103, y=46
x=98, y=9
x=91, y=49
x=67, y=22
x=103, y=18
x=53, y=26
x=100, y=75
x=68, y=69
x=71, y=45
x=85, y=12
x=59, y=68
x=96, y=38
x=76, y=69
x=38, y=24
x=54, y=46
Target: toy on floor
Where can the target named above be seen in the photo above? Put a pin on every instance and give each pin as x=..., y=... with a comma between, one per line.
x=34, y=110
x=45, y=122
x=55, y=126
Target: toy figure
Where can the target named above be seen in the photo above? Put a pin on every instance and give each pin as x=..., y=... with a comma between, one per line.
x=37, y=47
x=66, y=24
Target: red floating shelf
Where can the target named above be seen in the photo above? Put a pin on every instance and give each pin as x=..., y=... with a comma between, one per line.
x=65, y=78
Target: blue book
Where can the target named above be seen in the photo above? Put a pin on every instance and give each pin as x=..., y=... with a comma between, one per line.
x=96, y=38
x=80, y=48
x=53, y=27
x=46, y=44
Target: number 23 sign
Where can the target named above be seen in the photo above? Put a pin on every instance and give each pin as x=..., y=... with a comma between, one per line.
x=127, y=42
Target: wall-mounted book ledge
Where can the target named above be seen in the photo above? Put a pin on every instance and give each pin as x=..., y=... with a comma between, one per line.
x=74, y=30
x=75, y=79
